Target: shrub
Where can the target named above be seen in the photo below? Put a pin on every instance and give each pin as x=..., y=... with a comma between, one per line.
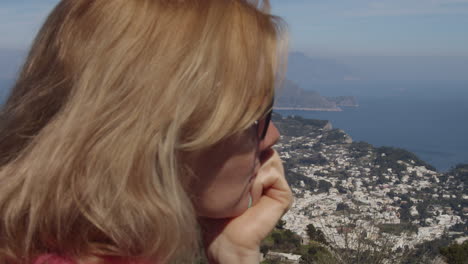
x=456, y=253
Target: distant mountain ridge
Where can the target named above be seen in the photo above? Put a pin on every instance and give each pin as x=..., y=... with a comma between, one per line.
x=302, y=67
x=292, y=97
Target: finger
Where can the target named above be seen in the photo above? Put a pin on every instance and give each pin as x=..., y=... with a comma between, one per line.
x=272, y=182
x=272, y=197
x=258, y=221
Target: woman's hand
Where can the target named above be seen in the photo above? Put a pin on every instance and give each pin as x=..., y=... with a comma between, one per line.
x=237, y=240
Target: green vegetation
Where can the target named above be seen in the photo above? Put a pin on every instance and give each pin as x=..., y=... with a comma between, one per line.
x=294, y=179
x=334, y=136
x=422, y=209
x=296, y=126
x=363, y=250
x=360, y=149
x=310, y=122
x=392, y=155
x=284, y=240
x=461, y=173
x=456, y=253
x=342, y=207
x=324, y=186
x=281, y=240
x=316, y=234
x=315, y=159
x=425, y=251
x=460, y=227
x=316, y=253
x=398, y=229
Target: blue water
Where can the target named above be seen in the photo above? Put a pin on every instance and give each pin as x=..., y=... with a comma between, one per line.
x=432, y=124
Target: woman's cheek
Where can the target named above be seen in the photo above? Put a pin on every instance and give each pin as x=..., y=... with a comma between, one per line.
x=223, y=204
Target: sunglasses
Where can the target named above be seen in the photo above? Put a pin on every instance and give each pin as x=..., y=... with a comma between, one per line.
x=263, y=123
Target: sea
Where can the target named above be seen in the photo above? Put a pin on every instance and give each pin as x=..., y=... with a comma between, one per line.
x=428, y=118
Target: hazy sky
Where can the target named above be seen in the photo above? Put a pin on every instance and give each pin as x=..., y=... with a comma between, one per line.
x=326, y=27
x=370, y=27
x=20, y=20
x=386, y=39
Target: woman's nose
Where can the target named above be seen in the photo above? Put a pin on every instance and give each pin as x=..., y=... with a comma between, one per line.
x=271, y=138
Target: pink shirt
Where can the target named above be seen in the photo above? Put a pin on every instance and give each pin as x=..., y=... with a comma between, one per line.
x=54, y=259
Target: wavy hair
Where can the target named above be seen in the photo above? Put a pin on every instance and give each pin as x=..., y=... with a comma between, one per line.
x=111, y=96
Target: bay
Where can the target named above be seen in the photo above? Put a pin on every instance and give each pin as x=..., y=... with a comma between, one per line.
x=433, y=124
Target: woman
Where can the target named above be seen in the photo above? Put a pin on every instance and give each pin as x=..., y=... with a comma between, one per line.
x=137, y=127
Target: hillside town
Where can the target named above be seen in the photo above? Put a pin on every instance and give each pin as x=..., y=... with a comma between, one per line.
x=355, y=192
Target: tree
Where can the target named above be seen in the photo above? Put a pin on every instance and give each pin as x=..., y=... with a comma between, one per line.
x=405, y=214
x=342, y=207
x=316, y=234
x=277, y=239
x=422, y=209
x=456, y=253
x=324, y=186
x=360, y=149
x=316, y=254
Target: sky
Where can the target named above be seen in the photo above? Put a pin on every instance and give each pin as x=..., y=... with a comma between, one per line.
x=365, y=34
x=382, y=28
x=326, y=27
x=20, y=20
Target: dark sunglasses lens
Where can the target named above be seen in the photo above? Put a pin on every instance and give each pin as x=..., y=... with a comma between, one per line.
x=263, y=126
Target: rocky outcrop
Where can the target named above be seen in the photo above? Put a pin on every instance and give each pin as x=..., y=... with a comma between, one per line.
x=292, y=97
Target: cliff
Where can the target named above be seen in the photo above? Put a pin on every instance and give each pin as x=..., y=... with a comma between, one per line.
x=292, y=97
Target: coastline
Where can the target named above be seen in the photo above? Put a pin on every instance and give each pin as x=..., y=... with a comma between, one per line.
x=309, y=109
x=385, y=121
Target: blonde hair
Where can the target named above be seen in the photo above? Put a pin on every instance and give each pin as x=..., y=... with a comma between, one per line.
x=112, y=95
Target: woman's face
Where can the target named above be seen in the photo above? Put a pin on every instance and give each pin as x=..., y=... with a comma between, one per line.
x=226, y=173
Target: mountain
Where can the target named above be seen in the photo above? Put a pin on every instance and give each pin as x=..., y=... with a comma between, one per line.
x=291, y=96
x=302, y=68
